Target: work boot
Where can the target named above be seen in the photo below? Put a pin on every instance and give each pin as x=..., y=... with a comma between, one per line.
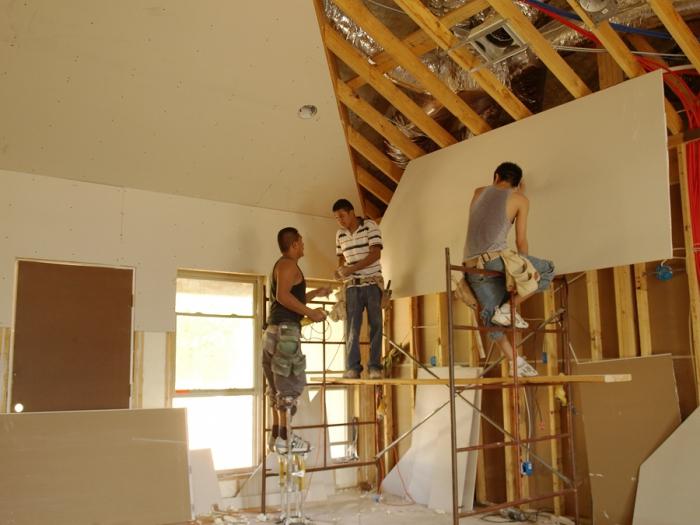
x=351, y=374
x=376, y=373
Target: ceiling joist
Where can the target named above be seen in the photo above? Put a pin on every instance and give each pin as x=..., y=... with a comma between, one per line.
x=419, y=42
x=446, y=40
x=385, y=87
x=369, y=151
x=372, y=185
x=411, y=63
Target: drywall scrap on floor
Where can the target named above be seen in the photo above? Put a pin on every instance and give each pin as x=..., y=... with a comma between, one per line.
x=424, y=471
x=669, y=479
x=205, y=484
x=623, y=424
x=108, y=467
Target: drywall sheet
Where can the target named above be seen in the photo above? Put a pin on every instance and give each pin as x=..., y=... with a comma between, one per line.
x=108, y=467
x=590, y=166
x=205, y=484
x=669, y=479
x=156, y=234
x=623, y=424
x=425, y=470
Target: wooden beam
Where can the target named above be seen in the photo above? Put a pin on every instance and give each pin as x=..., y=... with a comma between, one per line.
x=377, y=121
x=511, y=467
x=169, y=368
x=443, y=329
x=5, y=338
x=136, y=400
x=342, y=110
x=364, y=147
x=643, y=318
x=680, y=31
x=357, y=62
x=447, y=41
x=404, y=57
x=539, y=44
x=686, y=137
x=419, y=43
x=553, y=423
x=623, y=57
x=373, y=185
x=690, y=268
x=624, y=312
x=372, y=211
x=594, y=324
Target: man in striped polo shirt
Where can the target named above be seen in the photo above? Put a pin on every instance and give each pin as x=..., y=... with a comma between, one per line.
x=358, y=245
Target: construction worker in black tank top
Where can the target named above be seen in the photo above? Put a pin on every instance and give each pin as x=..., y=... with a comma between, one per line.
x=283, y=363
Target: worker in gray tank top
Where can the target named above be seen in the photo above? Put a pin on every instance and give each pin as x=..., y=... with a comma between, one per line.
x=493, y=211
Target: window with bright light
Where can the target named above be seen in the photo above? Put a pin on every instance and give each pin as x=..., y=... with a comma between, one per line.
x=324, y=347
x=215, y=372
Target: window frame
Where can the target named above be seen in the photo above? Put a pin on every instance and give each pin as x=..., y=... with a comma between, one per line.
x=258, y=282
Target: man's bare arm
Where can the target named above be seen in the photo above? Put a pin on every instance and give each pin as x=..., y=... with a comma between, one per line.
x=521, y=226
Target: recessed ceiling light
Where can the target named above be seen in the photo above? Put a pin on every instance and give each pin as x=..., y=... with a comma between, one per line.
x=307, y=111
x=19, y=407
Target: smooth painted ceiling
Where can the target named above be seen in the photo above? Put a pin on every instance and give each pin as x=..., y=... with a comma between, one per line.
x=189, y=97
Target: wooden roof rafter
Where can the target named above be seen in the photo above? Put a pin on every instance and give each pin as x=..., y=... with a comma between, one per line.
x=446, y=40
x=619, y=51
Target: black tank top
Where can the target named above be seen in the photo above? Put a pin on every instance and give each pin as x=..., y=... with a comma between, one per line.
x=279, y=313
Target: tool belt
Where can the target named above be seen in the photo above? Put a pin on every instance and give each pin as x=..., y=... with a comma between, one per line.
x=479, y=261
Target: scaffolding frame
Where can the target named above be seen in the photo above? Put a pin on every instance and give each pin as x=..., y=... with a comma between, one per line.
x=514, y=385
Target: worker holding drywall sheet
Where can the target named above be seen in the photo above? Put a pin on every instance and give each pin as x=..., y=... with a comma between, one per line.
x=283, y=362
x=358, y=245
x=493, y=211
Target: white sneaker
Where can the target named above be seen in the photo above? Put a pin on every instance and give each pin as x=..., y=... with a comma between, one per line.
x=524, y=369
x=502, y=317
x=299, y=445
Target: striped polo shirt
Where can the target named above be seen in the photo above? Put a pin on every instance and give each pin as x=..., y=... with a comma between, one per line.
x=354, y=246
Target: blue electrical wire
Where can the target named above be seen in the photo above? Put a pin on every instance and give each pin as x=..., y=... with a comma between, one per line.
x=618, y=27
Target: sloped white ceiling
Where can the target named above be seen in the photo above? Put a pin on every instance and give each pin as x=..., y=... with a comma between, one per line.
x=190, y=97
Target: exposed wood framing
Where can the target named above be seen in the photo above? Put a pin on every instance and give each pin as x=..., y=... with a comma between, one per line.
x=505, y=380
x=443, y=329
x=404, y=57
x=385, y=87
x=373, y=185
x=137, y=371
x=415, y=315
x=369, y=209
x=387, y=411
x=447, y=41
x=624, y=312
x=376, y=120
x=539, y=44
x=369, y=151
x=553, y=423
x=5, y=341
x=690, y=267
x=623, y=57
x=169, y=368
x=419, y=43
x=610, y=74
x=510, y=466
x=643, y=318
x=594, y=324
x=680, y=31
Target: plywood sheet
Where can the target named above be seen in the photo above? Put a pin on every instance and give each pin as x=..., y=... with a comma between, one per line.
x=577, y=172
x=623, y=424
x=110, y=467
x=668, y=480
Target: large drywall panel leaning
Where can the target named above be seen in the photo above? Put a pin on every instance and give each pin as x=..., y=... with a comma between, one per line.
x=669, y=479
x=596, y=173
x=103, y=467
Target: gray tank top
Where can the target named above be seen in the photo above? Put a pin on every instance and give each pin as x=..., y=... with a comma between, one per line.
x=488, y=223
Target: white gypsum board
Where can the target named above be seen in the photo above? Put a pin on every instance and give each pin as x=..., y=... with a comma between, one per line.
x=596, y=173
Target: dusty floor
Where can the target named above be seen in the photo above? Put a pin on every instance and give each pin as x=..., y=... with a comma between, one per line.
x=354, y=509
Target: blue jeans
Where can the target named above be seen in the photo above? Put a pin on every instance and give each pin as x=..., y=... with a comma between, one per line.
x=357, y=299
x=490, y=290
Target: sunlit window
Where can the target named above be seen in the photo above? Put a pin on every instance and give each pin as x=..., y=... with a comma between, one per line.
x=215, y=365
